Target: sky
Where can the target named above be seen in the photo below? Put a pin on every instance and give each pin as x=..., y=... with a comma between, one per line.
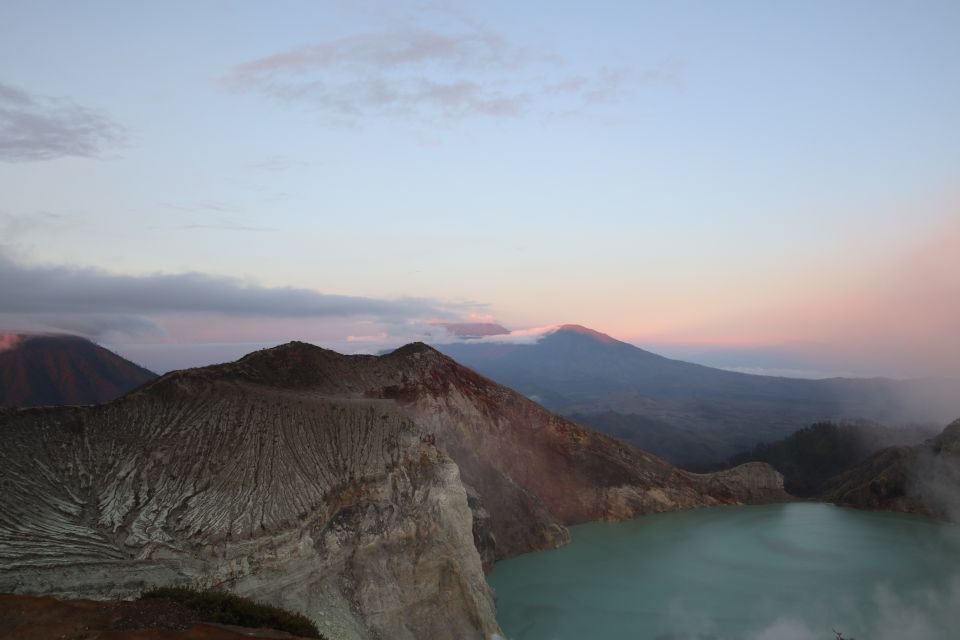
x=756, y=185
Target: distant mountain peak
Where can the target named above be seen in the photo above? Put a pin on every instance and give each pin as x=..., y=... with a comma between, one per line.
x=50, y=369
x=300, y=365
x=473, y=330
x=288, y=352
x=585, y=331
x=9, y=340
x=415, y=348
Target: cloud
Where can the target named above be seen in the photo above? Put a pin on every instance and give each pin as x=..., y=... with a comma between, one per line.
x=421, y=72
x=91, y=301
x=607, y=83
x=15, y=225
x=89, y=324
x=277, y=164
x=8, y=341
x=488, y=332
x=377, y=338
x=472, y=330
x=222, y=220
x=226, y=225
x=389, y=50
x=36, y=128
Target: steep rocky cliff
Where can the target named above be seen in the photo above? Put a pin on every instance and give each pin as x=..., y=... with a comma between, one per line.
x=334, y=508
x=364, y=491
x=921, y=479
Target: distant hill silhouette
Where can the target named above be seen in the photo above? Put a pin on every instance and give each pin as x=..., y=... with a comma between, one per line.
x=923, y=478
x=809, y=458
x=40, y=370
x=688, y=413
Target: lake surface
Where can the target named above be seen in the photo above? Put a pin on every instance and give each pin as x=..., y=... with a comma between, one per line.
x=781, y=572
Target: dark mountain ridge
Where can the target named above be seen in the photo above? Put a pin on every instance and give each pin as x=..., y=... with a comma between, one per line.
x=812, y=456
x=688, y=413
x=39, y=369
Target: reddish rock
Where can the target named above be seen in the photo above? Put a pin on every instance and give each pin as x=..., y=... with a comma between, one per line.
x=61, y=369
x=41, y=618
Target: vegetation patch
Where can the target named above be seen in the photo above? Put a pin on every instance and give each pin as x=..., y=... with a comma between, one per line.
x=812, y=456
x=226, y=608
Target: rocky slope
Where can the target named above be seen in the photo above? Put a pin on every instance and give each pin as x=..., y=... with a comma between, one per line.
x=60, y=369
x=363, y=491
x=534, y=472
x=921, y=479
x=336, y=509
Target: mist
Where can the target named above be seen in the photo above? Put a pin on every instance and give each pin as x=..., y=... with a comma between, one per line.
x=926, y=614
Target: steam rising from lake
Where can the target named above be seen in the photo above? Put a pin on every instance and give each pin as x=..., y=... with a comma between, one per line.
x=782, y=572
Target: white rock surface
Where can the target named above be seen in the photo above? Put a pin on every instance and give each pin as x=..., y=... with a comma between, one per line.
x=334, y=508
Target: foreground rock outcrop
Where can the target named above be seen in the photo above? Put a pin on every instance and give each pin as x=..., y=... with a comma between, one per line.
x=923, y=479
x=366, y=492
x=44, y=618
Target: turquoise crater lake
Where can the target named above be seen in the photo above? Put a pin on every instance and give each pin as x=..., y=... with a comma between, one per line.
x=781, y=572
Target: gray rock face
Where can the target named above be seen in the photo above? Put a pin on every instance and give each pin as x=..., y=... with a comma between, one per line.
x=333, y=508
x=752, y=483
x=483, y=538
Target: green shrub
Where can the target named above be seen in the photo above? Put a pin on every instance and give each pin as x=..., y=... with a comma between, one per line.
x=226, y=608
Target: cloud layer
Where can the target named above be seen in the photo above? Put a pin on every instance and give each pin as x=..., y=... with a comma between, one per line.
x=415, y=71
x=92, y=301
x=39, y=128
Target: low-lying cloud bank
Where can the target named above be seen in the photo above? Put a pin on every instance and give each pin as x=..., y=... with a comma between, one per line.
x=446, y=332
x=94, y=302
